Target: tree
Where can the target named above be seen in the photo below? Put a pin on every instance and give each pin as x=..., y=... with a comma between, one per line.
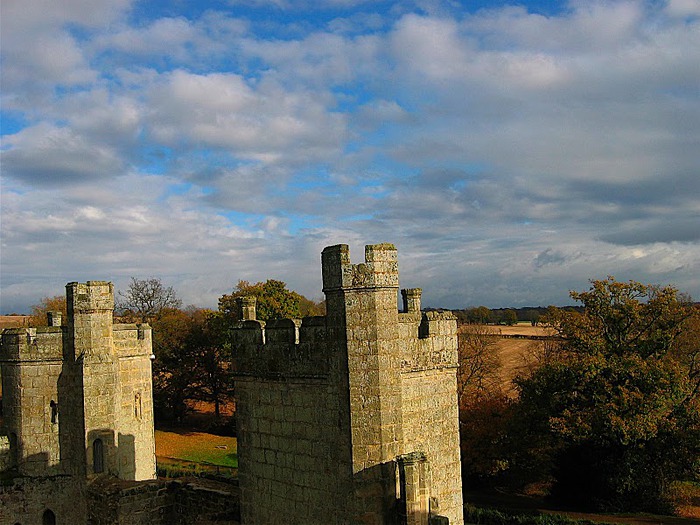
x=174, y=368
x=146, y=298
x=479, y=315
x=479, y=362
x=616, y=413
x=274, y=301
x=211, y=342
x=510, y=317
x=192, y=361
x=47, y=304
x=483, y=405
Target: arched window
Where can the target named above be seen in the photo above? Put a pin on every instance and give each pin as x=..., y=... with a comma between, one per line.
x=98, y=456
x=49, y=518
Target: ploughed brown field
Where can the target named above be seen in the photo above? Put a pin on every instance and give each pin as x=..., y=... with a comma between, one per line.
x=515, y=348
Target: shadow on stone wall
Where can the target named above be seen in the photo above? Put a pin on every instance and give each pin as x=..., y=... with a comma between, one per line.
x=376, y=492
x=126, y=456
x=161, y=502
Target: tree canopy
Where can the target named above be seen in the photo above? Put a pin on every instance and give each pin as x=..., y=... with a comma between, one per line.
x=192, y=361
x=616, y=411
x=56, y=303
x=274, y=301
x=146, y=298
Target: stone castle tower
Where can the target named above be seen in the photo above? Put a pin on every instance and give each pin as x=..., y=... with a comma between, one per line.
x=352, y=417
x=78, y=397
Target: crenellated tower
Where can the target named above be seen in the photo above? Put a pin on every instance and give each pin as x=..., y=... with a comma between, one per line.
x=78, y=397
x=339, y=419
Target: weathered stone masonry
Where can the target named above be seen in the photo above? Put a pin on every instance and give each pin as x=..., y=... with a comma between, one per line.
x=351, y=417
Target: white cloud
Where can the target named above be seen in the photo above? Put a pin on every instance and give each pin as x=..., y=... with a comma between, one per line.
x=260, y=122
x=511, y=156
x=683, y=8
x=37, y=49
x=48, y=155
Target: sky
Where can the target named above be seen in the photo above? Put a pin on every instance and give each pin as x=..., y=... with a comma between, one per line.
x=512, y=151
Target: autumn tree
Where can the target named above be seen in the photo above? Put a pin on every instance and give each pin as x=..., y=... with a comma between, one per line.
x=476, y=315
x=274, y=301
x=146, y=298
x=192, y=361
x=616, y=413
x=175, y=364
x=210, y=341
x=479, y=362
x=483, y=404
x=509, y=317
x=56, y=303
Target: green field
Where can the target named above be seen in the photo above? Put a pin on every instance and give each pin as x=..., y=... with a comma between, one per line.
x=184, y=453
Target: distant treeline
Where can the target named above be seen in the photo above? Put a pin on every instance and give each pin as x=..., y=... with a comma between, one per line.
x=508, y=316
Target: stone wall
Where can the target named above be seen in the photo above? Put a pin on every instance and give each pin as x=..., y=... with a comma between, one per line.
x=28, y=499
x=177, y=502
x=288, y=455
x=201, y=501
x=430, y=409
x=110, y=501
x=5, y=454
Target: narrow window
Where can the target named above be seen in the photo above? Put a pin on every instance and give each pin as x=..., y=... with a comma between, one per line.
x=49, y=518
x=98, y=456
x=54, y=411
x=137, y=405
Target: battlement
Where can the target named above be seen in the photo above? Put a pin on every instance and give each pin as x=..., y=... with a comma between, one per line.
x=295, y=347
x=132, y=339
x=380, y=269
x=32, y=344
x=89, y=297
x=429, y=340
x=281, y=348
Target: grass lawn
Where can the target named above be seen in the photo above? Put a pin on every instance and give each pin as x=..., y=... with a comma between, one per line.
x=198, y=447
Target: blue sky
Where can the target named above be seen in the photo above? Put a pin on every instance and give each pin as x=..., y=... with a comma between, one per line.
x=511, y=151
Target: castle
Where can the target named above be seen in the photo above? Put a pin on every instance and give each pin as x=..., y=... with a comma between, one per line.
x=350, y=418
x=77, y=403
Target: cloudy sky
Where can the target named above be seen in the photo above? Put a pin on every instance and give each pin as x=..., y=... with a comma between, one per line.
x=511, y=151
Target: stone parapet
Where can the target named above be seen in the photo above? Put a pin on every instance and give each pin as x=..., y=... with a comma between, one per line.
x=428, y=341
x=132, y=340
x=281, y=348
x=380, y=269
x=32, y=344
